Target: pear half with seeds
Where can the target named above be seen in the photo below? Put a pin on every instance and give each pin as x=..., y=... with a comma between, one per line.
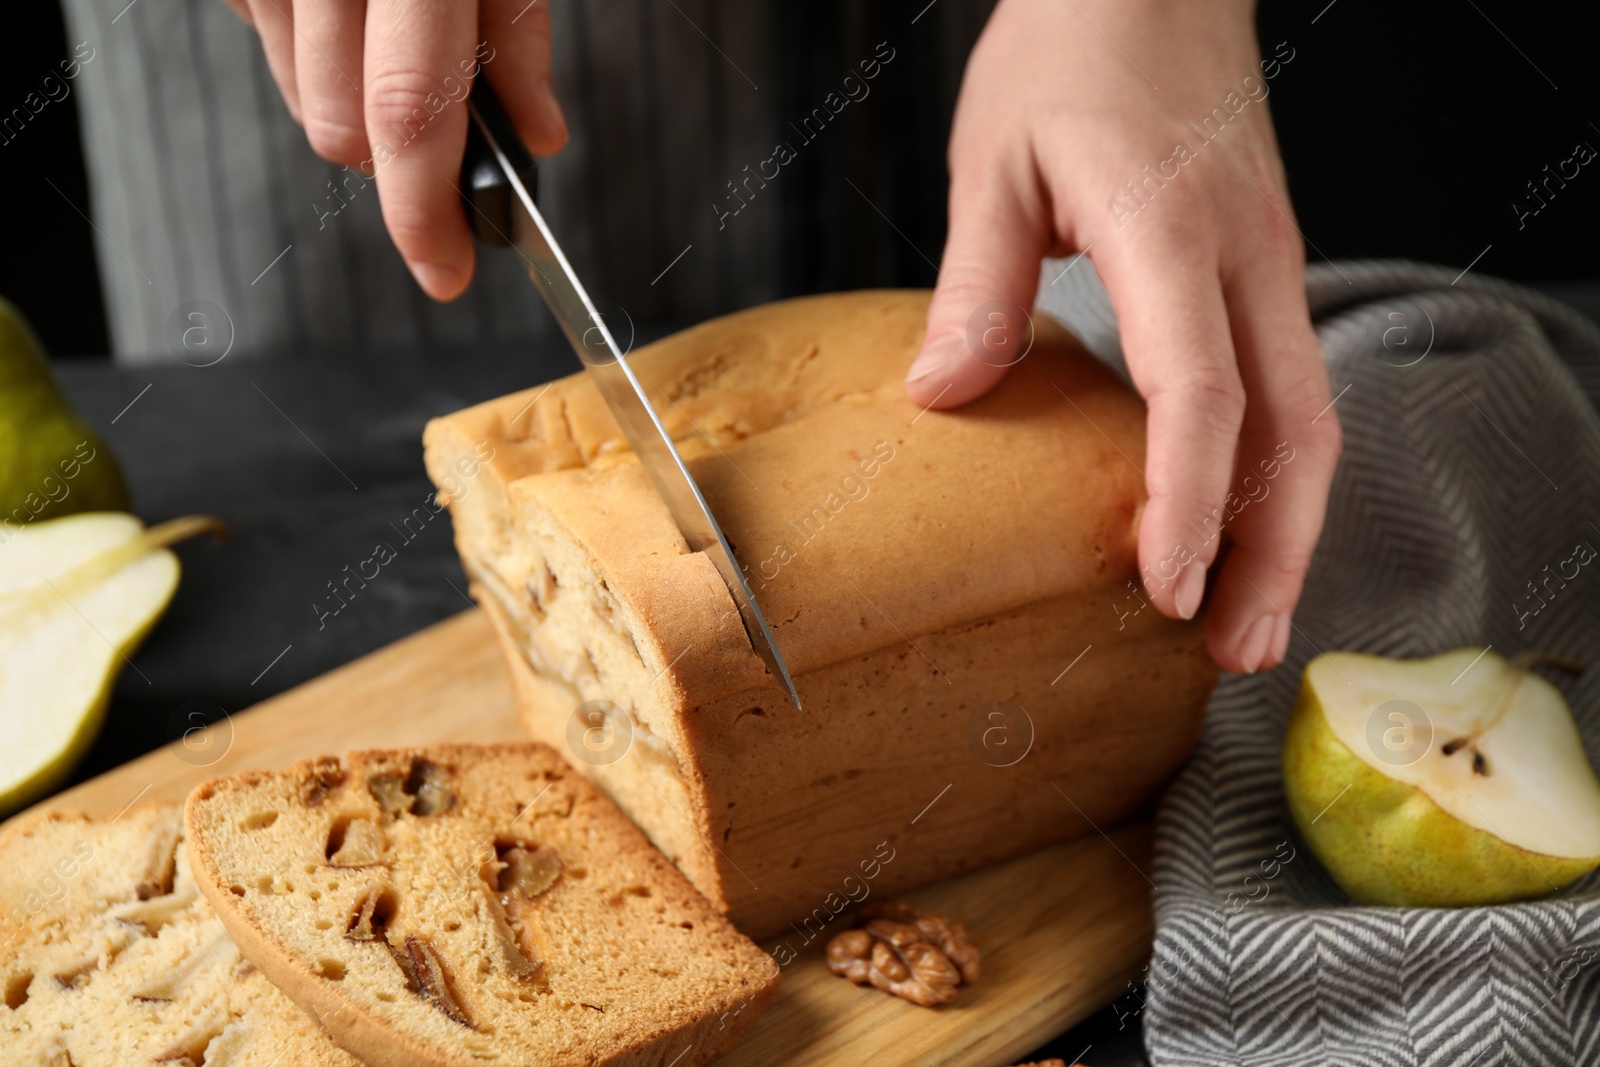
x=77, y=594
x=1451, y=781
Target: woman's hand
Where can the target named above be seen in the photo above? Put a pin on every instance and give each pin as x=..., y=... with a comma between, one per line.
x=382, y=86
x=1064, y=104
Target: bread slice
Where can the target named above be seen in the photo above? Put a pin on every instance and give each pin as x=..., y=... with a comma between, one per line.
x=461, y=905
x=110, y=958
x=956, y=593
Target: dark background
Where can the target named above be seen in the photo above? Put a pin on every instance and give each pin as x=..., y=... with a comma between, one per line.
x=1408, y=130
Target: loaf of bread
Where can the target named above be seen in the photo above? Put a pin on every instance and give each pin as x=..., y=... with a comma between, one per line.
x=109, y=957
x=954, y=591
x=458, y=905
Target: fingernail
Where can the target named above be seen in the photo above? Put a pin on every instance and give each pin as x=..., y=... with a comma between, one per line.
x=1280, y=641
x=939, y=359
x=436, y=279
x=1253, y=647
x=1191, y=587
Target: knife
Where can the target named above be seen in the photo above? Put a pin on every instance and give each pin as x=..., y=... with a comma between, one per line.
x=498, y=182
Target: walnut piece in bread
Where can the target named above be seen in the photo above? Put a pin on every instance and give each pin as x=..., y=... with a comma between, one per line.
x=460, y=904
x=109, y=957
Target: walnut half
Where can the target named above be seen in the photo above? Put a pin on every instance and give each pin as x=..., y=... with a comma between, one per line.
x=922, y=958
x=950, y=937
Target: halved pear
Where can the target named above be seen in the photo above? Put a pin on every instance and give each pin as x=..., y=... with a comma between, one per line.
x=77, y=595
x=1456, y=780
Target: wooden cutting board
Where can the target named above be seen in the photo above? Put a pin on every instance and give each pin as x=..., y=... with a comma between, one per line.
x=1061, y=931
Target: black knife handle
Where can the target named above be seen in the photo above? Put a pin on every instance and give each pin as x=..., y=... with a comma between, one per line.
x=484, y=185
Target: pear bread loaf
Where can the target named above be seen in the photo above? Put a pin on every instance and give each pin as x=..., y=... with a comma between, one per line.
x=109, y=957
x=463, y=904
x=956, y=593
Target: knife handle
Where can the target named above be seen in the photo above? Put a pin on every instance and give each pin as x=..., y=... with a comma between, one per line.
x=484, y=185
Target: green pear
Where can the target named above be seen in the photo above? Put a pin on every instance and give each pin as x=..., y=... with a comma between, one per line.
x=77, y=595
x=1451, y=781
x=51, y=462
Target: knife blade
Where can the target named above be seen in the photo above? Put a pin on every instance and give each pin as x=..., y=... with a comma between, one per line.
x=498, y=178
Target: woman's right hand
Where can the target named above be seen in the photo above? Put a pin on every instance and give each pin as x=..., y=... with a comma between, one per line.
x=1063, y=144
x=382, y=87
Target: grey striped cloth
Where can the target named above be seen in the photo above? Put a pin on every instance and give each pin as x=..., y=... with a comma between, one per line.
x=1472, y=461
x=205, y=190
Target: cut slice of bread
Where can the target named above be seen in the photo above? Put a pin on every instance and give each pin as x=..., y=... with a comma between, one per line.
x=110, y=958
x=462, y=905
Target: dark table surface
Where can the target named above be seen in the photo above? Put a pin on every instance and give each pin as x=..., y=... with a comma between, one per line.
x=312, y=460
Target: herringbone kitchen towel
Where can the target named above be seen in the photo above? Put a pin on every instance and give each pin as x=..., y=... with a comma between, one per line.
x=1471, y=462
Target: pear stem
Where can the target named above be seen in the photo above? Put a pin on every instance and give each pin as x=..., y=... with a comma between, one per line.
x=99, y=567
